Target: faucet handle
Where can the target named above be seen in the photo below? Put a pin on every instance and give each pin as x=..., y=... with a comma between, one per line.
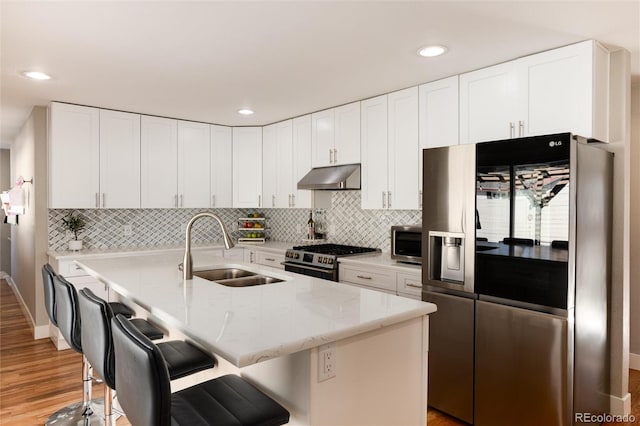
x=181, y=266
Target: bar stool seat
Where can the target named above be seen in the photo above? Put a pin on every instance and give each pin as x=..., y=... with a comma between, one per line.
x=145, y=393
x=146, y=328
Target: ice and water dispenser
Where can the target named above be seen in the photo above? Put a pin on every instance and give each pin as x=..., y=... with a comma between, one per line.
x=446, y=260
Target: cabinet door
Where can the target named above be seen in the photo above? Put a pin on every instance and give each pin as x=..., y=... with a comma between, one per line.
x=404, y=150
x=74, y=156
x=119, y=160
x=193, y=164
x=322, y=138
x=558, y=88
x=347, y=134
x=489, y=107
x=221, y=167
x=374, y=153
x=301, y=160
x=247, y=167
x=284, y=156
x=159, y=162
x=269, y=165
x=438, y=112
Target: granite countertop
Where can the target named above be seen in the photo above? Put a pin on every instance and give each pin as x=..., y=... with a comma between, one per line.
x=250, y=324
x=380, y=260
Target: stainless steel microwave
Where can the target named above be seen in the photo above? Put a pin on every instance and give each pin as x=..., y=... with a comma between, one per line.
x=406, y=243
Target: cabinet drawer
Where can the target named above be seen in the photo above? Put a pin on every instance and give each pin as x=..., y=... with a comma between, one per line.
x=410, y=283
x=269, y=259
x=379, y=279
x=67, y=268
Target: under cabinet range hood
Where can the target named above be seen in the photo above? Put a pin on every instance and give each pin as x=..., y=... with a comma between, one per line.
x=331, y=178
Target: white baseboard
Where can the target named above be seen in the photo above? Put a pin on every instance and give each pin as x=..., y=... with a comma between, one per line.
x=39, y=332
x=620, y=406
x=634, y=361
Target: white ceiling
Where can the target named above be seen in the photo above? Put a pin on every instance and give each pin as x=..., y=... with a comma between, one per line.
x=204, y=60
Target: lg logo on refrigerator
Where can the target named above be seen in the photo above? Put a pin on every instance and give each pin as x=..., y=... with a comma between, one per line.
x=555, y=143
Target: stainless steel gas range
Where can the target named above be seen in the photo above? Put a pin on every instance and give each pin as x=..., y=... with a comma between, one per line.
x=320, y=260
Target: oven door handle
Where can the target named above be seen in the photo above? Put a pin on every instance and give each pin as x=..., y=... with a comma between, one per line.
x=297, y=265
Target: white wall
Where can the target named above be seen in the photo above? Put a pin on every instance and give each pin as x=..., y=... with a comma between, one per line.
x=29, y=237
x=634, y=268
x=5, y=229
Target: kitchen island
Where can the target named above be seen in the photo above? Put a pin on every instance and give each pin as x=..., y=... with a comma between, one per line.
x=330, y=353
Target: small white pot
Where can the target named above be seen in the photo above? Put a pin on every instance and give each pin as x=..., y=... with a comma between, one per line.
x=75, y=245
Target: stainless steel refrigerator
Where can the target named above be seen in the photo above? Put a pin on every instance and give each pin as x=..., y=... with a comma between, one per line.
x=516, y=254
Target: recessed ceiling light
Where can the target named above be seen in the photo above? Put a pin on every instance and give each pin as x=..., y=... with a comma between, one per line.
x=36, y=75
x=245, y=111
x=430, y=51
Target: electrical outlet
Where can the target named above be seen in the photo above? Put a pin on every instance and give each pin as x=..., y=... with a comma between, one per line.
x=127, y=230
x=326, y=362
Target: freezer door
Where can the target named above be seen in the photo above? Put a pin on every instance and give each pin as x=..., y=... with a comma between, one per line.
x=522, y=367
x=451, y=355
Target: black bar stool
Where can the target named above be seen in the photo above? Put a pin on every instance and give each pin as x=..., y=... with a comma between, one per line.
x=62, y=299
x=145, y=395
x=97, y=343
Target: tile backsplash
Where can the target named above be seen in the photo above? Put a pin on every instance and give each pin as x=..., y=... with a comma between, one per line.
x=345, y=222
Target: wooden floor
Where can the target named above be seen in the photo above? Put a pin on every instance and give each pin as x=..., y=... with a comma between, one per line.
x=36, y=379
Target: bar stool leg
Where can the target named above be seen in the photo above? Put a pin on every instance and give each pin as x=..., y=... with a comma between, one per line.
x=109, y=417
x=86, y=387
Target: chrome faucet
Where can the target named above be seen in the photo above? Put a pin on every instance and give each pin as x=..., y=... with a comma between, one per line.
x=187, y=263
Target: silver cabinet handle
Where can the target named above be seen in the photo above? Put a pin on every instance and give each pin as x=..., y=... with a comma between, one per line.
x=104, y=200
x=520, y=128
x=181, y=200
x=384, y=200
x=335, y=156
x=293, y=200
x=97, y=200
x=512, y=129
x=389, y=199
x=175, y=200
x=273, y=201
x=290, y=202
x=259, y=200
x=363, y=277
x=269, y=259
x=330, y=156
x=251, y=257
x=420, y=198
x=413, y=285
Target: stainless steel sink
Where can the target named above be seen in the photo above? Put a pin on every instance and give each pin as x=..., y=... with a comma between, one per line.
x=223, y=274
x=249, y=281
x=233, y=277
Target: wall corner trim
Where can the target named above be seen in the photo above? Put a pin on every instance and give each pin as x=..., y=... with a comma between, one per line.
x=620, y=406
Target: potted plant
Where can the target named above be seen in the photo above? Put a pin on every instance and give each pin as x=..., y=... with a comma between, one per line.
x=74, y=224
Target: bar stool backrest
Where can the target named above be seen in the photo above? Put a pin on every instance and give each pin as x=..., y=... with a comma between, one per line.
x=97, y=342
x=144, y=390
x=67, y=312
x=49, y=292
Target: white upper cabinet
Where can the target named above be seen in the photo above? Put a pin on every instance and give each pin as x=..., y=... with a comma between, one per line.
x=278, y=165
x=74, y=156
x=566, y=90
x=322, y=138
x=438, y=113
x=301, y=160
x=375, y=153
x=335, y=136
x=346, y=148
x=119, y=160
x=221, y=166
x=404, y=150
x=269, y=165
x=489, y=104
x=284, y=171
x=561, y=90
x=247, y=167
x=159, y=162
x=391, y=151
x=194, y=158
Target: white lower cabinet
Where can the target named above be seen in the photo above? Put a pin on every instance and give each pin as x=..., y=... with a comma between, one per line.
x=406, y=284
x=265, y=258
